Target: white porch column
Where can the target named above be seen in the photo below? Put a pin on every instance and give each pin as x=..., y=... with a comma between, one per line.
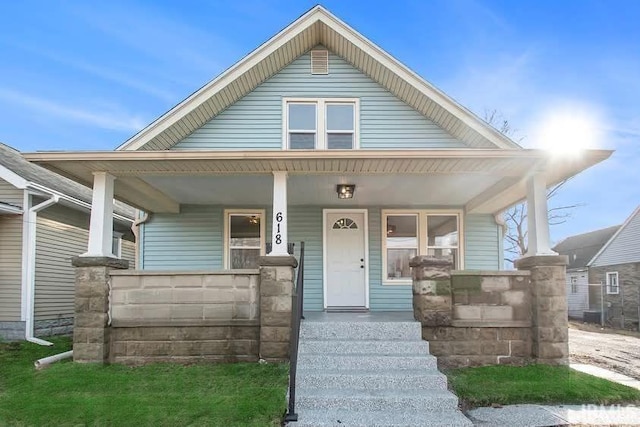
x=279, y=229
x=537, y=217
x=101, y=224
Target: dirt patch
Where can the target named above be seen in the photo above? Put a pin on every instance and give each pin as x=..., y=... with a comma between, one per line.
x=607, y=349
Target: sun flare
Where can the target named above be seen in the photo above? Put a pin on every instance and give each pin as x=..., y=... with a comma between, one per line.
x=567, y=131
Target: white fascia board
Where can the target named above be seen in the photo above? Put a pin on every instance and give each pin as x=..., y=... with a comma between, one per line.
x=13, y=178
x=317, y=13
x=387, y=60
x=229, y=75
x=615, y=235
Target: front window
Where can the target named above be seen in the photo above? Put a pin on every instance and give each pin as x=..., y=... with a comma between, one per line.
x=410, y=233
x=323, y=123
x=442, y=237
x=244, y=238
x=402, y=245
x=612, y=283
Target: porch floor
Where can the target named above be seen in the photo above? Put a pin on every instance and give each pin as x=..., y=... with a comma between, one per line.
x=371, y=316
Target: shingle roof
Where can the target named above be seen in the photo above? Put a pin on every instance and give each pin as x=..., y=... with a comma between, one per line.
x=12, y=159
x=581, y=248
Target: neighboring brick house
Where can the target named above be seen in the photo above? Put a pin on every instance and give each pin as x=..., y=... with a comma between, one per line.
x=580, y=249
x=617, y=266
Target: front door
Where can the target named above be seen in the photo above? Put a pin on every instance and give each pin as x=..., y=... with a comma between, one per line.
x=345, y=259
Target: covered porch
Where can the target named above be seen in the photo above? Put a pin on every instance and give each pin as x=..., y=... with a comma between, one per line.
x=171, y=304
x=467, y=181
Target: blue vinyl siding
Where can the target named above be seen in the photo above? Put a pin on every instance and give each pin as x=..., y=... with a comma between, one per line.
x=255, y=121
x=482, y=243
x=192, y=240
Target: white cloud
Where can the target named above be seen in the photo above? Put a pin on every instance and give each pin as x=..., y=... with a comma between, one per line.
x=112, y=120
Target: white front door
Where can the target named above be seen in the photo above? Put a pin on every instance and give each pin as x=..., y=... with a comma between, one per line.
x=345, y=259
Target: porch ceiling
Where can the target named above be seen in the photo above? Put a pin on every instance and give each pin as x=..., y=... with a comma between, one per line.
x=483, y=181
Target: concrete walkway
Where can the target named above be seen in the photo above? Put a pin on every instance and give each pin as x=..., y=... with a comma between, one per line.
x=553, y=415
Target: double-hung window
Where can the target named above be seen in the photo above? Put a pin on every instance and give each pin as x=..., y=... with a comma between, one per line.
x=244, y=238
x=612, y=283
x=410, y=233
x=574, y=284
x=324, y=123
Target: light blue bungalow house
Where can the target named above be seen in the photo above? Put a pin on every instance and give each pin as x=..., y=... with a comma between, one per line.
x=320, y=136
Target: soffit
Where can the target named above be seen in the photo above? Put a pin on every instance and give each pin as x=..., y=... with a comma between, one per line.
x=135, y=171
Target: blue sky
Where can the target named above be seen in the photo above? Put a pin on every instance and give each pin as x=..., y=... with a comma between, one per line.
x=80, y=75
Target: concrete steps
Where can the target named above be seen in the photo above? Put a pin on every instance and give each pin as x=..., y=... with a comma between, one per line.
x=386, y=418
x=370, y=373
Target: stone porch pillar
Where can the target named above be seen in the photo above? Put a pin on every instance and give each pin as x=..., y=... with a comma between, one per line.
x=550, y=335
x=91, y=329
x=431, y=290
x=276, y=290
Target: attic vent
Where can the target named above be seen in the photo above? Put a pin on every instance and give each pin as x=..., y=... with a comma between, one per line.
x=320, y=61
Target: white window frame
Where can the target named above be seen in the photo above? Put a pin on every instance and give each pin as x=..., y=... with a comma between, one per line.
x=227, y=231
x=608, y=276
x=118, y=237
x=573, y=281
x=423, y=247
x=321, y=123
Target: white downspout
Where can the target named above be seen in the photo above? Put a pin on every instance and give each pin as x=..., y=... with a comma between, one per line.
x=135, y=229
x=32, y=217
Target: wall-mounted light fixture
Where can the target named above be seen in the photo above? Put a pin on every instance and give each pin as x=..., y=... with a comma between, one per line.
x=345, y=191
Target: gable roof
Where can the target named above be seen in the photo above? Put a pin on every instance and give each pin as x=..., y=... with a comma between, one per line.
x=581, y=248
x=624, y=246
x=23, y=174
x=316, y=27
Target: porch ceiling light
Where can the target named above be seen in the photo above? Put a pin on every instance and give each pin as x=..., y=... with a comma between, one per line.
x=345, y=191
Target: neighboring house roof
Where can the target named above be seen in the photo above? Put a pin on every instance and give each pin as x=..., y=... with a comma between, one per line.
x=623, y=247
x=23, y=174
x=7, y=208
x=582, y=247
x=316, y=27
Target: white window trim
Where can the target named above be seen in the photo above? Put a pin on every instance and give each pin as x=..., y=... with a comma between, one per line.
x=227, y=231
x=612, y=274
x=321, y=123
x=117, y=235
x=422, y=238
x=573, y=284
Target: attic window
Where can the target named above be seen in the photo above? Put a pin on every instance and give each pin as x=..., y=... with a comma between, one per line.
x=320, y=61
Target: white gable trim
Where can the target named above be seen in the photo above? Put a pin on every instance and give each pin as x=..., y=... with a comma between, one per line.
x=318, y=13
x=13, y=178
x=615, y=235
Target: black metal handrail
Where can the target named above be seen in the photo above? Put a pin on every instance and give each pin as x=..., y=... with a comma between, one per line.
x=297, y=297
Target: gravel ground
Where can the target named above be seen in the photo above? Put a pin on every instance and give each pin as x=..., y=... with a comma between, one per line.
x=616, y=352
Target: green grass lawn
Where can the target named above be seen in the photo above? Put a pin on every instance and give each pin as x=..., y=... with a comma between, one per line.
x=506, y=385
x=69, y=394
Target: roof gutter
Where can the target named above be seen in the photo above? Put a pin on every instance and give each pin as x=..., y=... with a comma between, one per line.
x=30, y=220
x=78, y=202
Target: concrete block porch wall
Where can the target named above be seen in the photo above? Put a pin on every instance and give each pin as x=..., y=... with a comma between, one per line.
x=475, y=318
x=145, y=316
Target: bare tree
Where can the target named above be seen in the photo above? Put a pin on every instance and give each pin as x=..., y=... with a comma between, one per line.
x=515, y=218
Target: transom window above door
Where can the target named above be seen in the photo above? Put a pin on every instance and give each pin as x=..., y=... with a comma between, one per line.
x=324, y=123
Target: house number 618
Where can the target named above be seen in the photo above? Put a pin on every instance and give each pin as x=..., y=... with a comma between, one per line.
x=278, y=221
